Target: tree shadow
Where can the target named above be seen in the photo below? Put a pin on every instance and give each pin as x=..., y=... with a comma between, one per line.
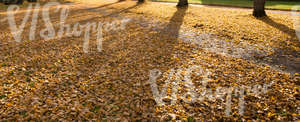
x=142, y=53
x=123, y=10
x=290, y=63
x=176, y=21
x=114, y=71
x=161, y=51
x=104, y=5
x=279, y=26
x=113, y=14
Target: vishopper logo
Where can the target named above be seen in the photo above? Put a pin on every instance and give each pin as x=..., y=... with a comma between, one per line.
x=192, y=94
x=296, y=20
x=65, y=30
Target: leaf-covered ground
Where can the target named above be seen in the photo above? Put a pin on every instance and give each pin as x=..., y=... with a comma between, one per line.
x=55, y=80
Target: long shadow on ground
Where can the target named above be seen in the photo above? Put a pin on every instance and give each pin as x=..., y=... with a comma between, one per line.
x=290, y=63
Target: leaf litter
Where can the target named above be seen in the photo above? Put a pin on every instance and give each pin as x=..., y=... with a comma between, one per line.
x=56, y=80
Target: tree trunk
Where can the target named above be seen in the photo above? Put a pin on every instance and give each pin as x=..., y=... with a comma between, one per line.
x=141, y=1
x=19, y=1
x=259, y=8
x=182, y=3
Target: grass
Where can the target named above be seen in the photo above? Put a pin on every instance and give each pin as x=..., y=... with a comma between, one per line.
x=243, y=3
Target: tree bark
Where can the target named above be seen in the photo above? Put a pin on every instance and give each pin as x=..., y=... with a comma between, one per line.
x=259, y=8
x=182, y=3
x=19, y=1
x=141, y=1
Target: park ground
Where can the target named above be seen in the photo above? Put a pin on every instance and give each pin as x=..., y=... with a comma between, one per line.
x=55, y=80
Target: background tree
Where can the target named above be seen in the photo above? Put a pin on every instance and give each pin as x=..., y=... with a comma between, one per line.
x=259, y=8
x=182, y=3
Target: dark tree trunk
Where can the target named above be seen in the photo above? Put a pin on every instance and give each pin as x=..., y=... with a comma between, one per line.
x=141, y=1
x=19, y=2
x=182, y=3
x=32, y=0
x=259, y=8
